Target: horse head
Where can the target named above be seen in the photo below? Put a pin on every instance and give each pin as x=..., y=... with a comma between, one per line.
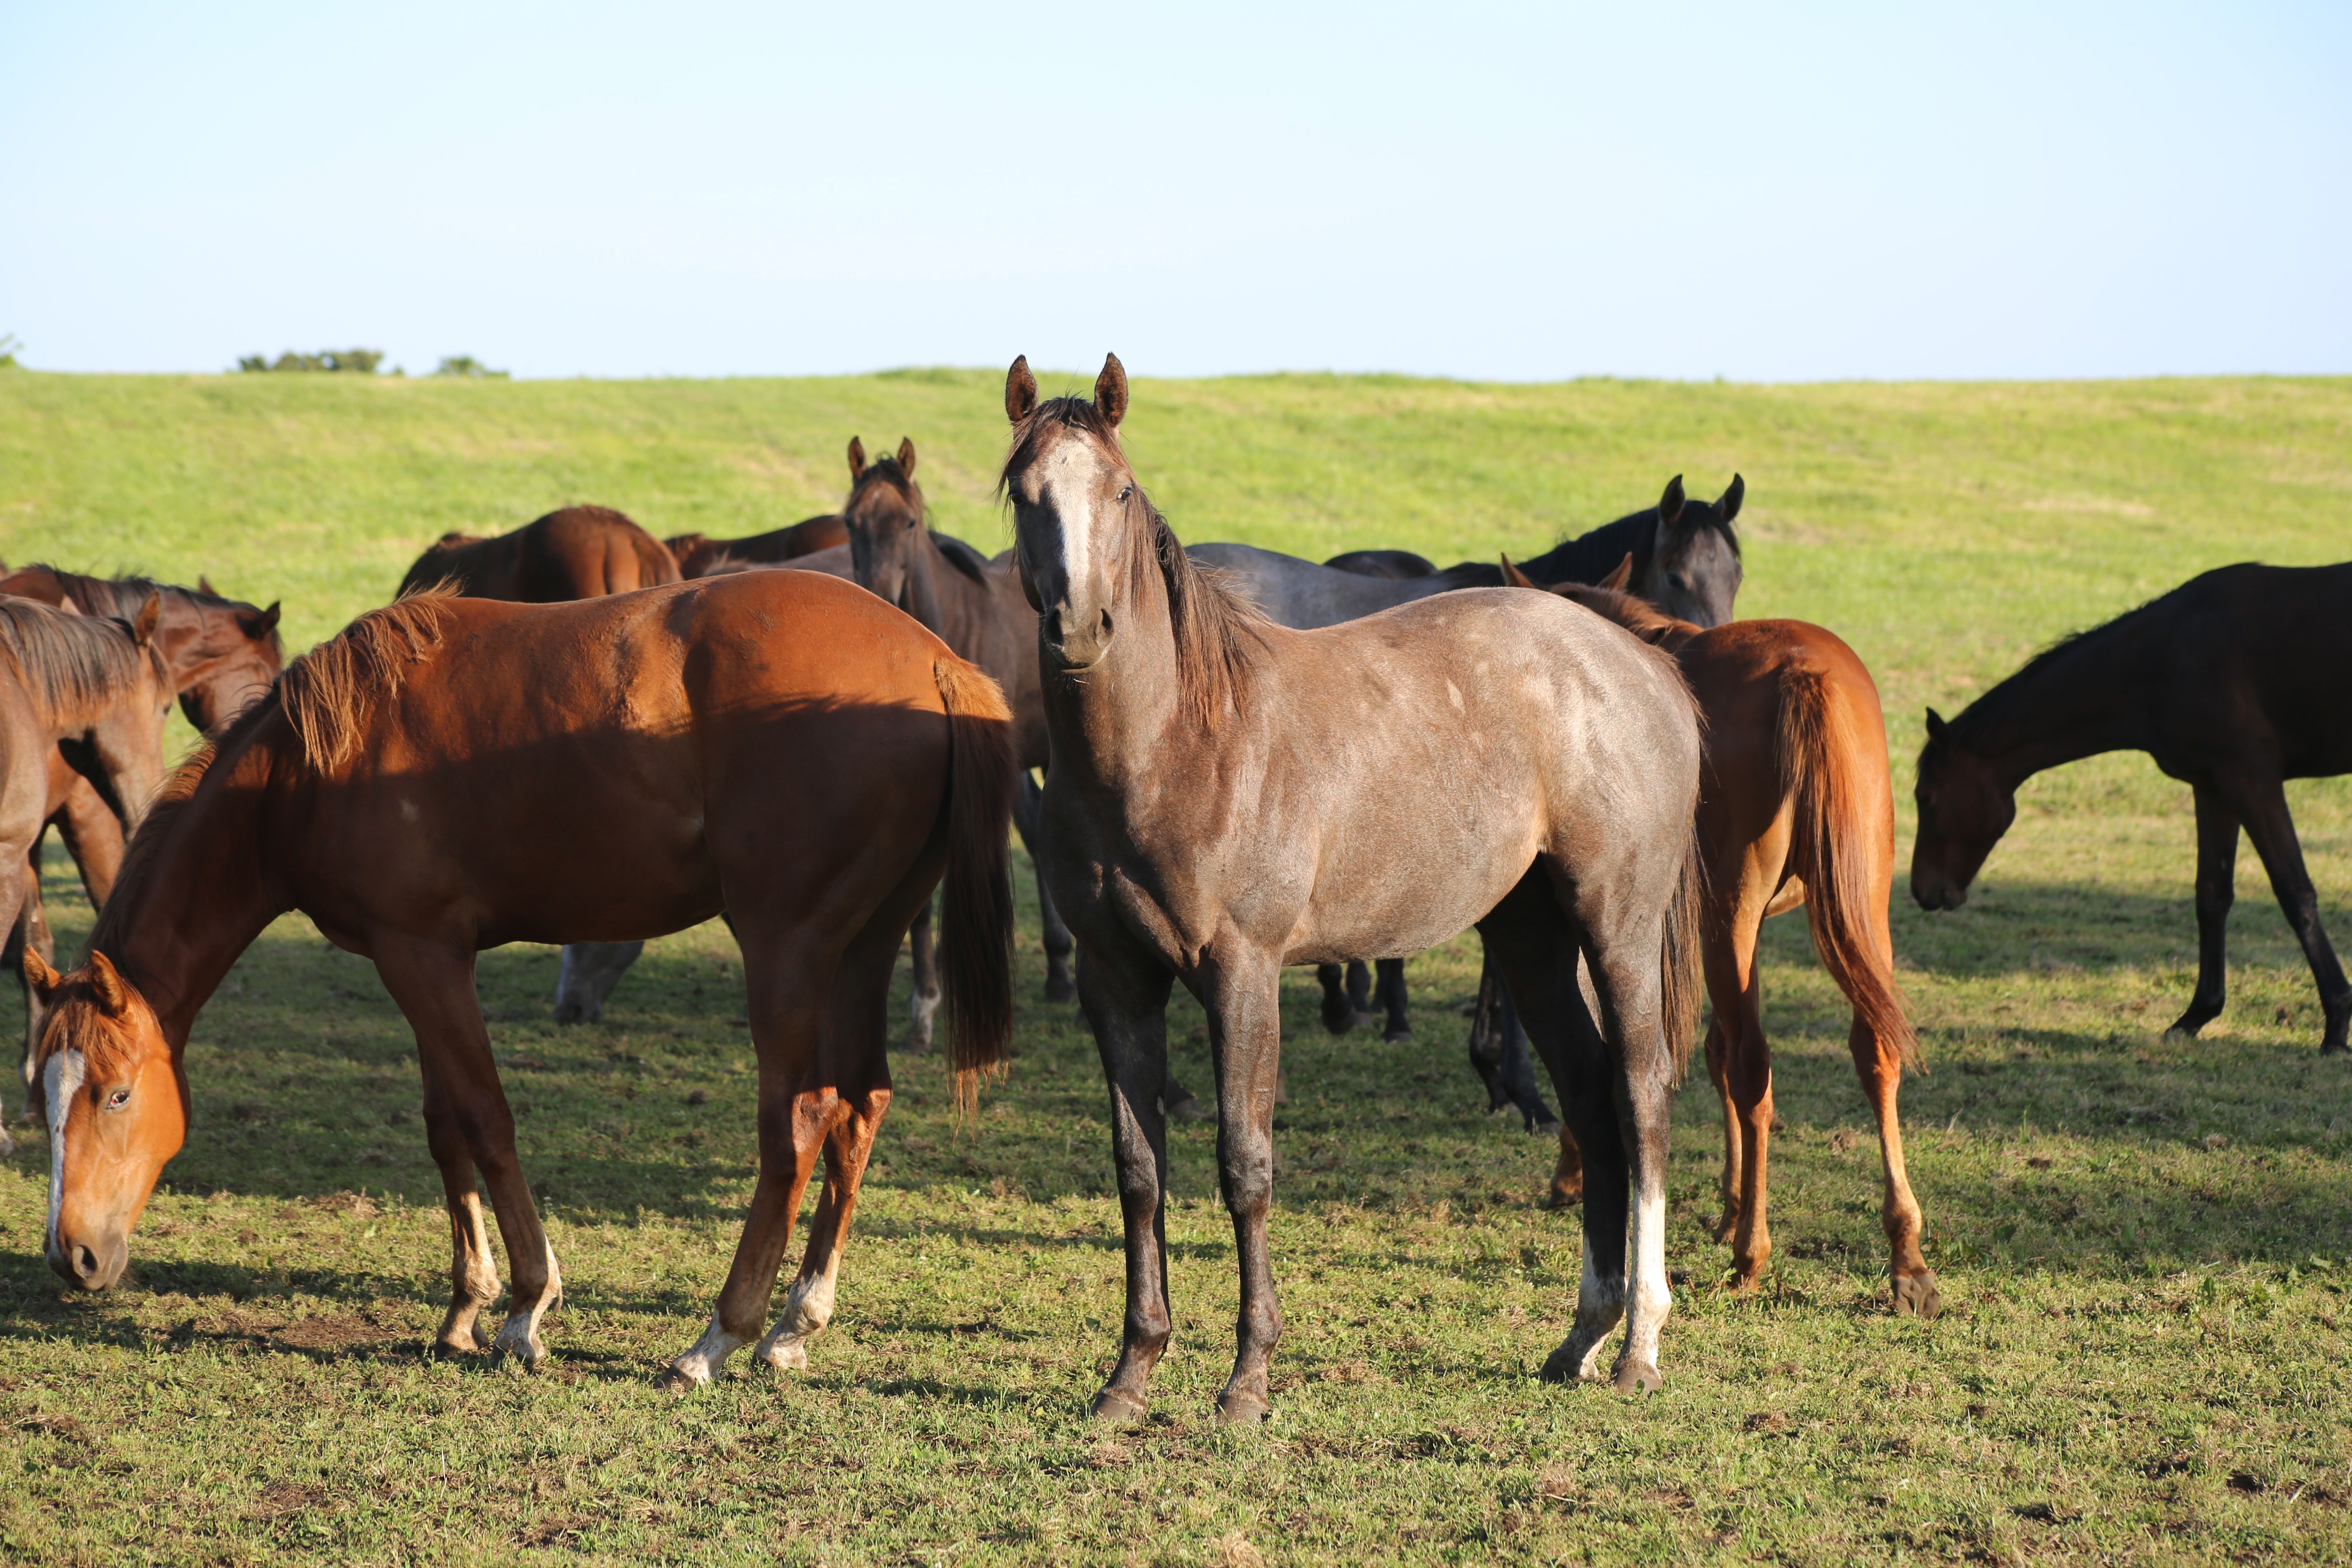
x=1965, y=806
x=116, y=1099
x=1077, y=511
x=1693, y=570
x=884, y=516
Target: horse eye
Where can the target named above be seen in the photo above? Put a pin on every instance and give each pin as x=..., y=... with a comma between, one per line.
x=116, y=1100
x=1674, y=581
x=1126, y=491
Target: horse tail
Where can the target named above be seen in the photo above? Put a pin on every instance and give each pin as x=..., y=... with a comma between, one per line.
x=1823, y=752
x=976, y=907
x=1681, y=980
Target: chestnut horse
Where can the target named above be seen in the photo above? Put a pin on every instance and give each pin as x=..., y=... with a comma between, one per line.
x=1229, y=796
x=422, y=787
x=1795, y=807
x=579, y=553
x=977, y=608
x=2234, y=682
x=697, y=553
x=95, y=687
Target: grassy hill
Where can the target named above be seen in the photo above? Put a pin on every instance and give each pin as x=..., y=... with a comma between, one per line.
x=2145, y=1244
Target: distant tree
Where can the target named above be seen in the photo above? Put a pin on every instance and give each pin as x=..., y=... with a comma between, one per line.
x=8, y=347
x=465, y=365
x=355, y=361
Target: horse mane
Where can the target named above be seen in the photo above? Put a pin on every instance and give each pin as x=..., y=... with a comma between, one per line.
x=1635, y=613
x=328, y=693
x=124, y=597
x=70, y=666
x=963, y=557
x=140, y=856
x=1988, y=710
x=1591, y=556
x=1217, y=627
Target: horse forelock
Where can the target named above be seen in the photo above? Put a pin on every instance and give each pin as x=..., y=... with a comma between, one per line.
x=72, y=667
x=330, y=692
x=108, y=1049
x=884, y=474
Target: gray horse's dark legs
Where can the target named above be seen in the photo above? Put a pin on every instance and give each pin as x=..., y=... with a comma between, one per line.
x=1028, y=816
x=1242, y=999
x=2217, y=889
x=922, y=983
x=1125, y=999
x=1390, y=996
x=1351, y=996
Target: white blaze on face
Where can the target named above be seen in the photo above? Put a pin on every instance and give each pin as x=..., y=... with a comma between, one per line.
x=60, y=1081
x=1067, y=485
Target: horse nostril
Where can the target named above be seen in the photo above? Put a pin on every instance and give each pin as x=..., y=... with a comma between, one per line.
x=85, y=1262
x=1106, y=625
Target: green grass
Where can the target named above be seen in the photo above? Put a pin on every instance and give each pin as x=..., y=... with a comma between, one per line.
x=2144, y=1244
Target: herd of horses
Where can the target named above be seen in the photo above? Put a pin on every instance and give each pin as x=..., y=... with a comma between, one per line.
x=1222, y=762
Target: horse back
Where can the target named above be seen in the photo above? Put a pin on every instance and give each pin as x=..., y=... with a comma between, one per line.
x=2257, y=655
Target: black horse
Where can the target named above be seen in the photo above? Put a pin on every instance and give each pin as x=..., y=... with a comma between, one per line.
x=2234, y=682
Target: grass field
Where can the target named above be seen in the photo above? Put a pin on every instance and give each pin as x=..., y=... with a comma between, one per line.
x=2144, y=1244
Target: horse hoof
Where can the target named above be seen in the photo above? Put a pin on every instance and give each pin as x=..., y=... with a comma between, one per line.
x=1559, y=1367
x=1188, y=1108
x=1060, y=991
x=1398, y=1036
x=784, y=1354
x=677, y=1380
x=1639, y=1377
x=1116, y=1405
x=1241, y=1409
x=1564, y=1198
x=1916, y=1296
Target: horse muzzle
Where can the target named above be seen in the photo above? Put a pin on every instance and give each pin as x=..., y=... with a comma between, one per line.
x=89, y=1265
x=1937, y=892
x=1075, y=645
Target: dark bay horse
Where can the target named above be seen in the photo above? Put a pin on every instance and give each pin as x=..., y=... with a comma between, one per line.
x=579, y=553
x=697, y=553
x=95, y=689
x=449, y=775
x=977, y=608
x=1229, y=796
x=2232, y=683
x=1795, y=807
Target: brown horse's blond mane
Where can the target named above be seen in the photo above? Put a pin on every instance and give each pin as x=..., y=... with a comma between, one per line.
x=328, y=693
x=1217, y=627
x=73, y=668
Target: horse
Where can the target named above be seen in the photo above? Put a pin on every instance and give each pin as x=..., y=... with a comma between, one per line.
x=449, y=775
x=94, y=690
x=697, y=553
x=976, y=608
x=1228, y=797
x=1397, y=565
x=1686, y=555
x=1795, y=807
x=2234, y=682
x=579, y=553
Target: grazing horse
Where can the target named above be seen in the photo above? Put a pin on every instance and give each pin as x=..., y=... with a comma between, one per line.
x=95, y=688
x=1795, y=807
x=1686, y=560
x=579, y=553
x=977, y=609
x=698, y=554
x=1228, y=795
x=422, y=787
x=2232, y=683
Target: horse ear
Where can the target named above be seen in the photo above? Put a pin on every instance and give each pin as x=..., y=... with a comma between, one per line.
x=857, y=459
x=1618, y=579
x=40, y=979
x=205, y=585
x=1515, y=578
x=1936, y=725
x=907, y=456
x=269, y=622
x=150, y=612
x=1729, y=504
x=1110, y=390
x=113, y=992
x=1020, y=391
x=1670, y=505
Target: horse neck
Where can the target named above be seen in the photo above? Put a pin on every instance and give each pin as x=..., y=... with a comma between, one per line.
x=1109, y=724
x=2072, y=707
x=1590, y=557
x=184, y=918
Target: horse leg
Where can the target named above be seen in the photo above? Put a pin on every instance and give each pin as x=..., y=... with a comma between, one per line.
x=2261, y=804
x=1029, y=815
x=1735, y=987
x=1517, y=1072
x=800, y=1108
x=468, y=1125
x=2217, y=889
x=1881, y=1072
x=1567, y=1188
x=1718, y=1073
x=92, y=835
x=861, y=1001
x=923, y=985
x=1625, y=972
x=1125, y=997
x=1360, y=990
x=1242, y=994
x=1389, y=994
x=1338, y=1007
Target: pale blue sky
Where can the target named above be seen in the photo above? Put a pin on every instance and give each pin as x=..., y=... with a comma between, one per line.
x=1780, y=193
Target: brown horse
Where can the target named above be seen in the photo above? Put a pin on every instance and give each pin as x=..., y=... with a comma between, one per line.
x=699, y=553
x=2234, y=682
x=1229, y=796
x=977, y=608
x=449, y=775
x=579, y=553
x=96, y=689
x=1795, y=807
